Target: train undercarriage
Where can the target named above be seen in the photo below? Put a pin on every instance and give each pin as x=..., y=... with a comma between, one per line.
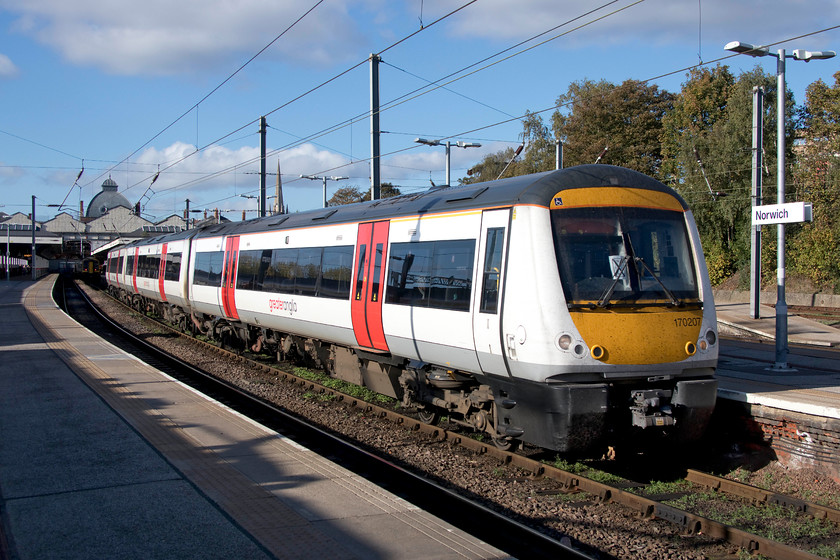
x=563, y=417
x=434, y=392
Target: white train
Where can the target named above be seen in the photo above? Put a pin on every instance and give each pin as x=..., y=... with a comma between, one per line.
x=569, y=309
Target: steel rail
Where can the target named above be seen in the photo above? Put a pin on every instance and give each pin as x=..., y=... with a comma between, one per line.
x=761, y=495
x=416, y=488
x=690, y=523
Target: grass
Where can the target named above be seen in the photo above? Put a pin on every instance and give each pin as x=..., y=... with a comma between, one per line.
x=350, y=389
x=674, y=487
x=586, y=471
x=771, y=521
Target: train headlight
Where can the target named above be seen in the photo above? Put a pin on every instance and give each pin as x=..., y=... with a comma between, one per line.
x=564, y=342
x=567, y=343
x=598, y=352
x=711, y=337
x=690, y=348
x=708, y=340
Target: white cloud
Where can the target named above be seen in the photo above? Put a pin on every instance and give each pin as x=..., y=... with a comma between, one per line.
x=169, y=37
x=7, y=67
x=209, y=180
x=654, y=22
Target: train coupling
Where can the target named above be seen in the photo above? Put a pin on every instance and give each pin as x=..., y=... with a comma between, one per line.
x=652, y=408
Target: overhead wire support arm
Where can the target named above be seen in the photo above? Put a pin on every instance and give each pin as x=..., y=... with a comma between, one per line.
x=715, y=194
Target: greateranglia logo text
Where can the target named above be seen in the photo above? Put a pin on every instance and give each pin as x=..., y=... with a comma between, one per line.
x=289, y=306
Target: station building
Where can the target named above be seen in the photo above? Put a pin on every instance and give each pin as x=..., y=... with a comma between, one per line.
x=66, y=239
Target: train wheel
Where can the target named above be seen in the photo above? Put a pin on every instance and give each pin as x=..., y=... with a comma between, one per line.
x=506, y=444
x=429, y=416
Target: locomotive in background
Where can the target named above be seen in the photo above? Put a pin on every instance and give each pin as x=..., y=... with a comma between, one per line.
x=568, y=309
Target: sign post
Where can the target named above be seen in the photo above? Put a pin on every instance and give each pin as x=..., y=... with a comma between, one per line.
x=781, y=214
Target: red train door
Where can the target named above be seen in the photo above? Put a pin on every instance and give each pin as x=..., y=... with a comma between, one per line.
x=134, y=269
x=229, y=277
x=162, y=272
x=369, y=285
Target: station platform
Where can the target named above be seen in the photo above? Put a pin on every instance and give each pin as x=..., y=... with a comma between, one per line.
x=792, y=404
x=103, y=456
x=807, y=385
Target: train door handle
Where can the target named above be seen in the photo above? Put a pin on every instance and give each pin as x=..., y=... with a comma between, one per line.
x=511, y=345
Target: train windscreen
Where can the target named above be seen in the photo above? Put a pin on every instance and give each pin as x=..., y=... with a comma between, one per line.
x=613, y=256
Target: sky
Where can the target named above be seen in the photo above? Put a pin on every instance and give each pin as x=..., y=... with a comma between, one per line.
x=124, y=89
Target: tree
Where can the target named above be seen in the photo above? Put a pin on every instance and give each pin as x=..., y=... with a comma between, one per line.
x=491, y=167
x=345, y=195
x=707, y=140
x=386, y=190
x=539, y=145
x=626, y=119
x=350, y=195
x=817, y=180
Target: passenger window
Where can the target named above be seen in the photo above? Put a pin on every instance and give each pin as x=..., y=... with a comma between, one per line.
x=432, y=274
x=360, y=271
x=377, y=268
x=492, y=270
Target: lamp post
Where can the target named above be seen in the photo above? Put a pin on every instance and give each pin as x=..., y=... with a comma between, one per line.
x=324, y=179
x=781, y=304
x=448, y=145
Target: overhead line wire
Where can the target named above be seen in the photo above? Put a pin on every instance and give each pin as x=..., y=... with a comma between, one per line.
x=400, y=100
x=554, y=107
x=315, y=88
x=214, y=90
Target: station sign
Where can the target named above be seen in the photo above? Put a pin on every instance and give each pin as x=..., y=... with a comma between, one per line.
x=790, y=213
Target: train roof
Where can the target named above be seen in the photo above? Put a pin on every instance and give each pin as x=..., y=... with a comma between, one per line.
x=537, y=189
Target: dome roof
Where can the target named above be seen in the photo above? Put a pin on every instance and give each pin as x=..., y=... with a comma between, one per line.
x=106, y=199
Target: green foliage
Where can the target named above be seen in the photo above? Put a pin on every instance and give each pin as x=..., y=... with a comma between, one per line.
x=345, y=195
x=625, y=119
x=564, y=465
x=817, y=180
x=659, y=487
x=719, y=261
x=699, y=141
x=492, y=166
x=350, y=389
x=351, y=195
x=386, y=190
x=826, y=551
x=814, y=255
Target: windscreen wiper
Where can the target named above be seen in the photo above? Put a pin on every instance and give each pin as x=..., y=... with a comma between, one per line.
x=676, y=302
x=604, y=300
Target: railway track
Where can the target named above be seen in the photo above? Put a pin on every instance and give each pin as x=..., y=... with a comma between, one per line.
x=827, y=315
x=472, y=517
x=644, y=506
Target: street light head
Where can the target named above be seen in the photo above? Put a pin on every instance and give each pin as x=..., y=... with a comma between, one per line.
x=802, y=54
x=427, y=142
x=338, y=178
x=461, y=144
x=747, y=49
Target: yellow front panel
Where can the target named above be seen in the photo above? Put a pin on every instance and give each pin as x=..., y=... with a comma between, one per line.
x=615, y=196
x=639, y=336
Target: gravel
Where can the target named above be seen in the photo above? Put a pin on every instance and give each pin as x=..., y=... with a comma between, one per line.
x=611, y=528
